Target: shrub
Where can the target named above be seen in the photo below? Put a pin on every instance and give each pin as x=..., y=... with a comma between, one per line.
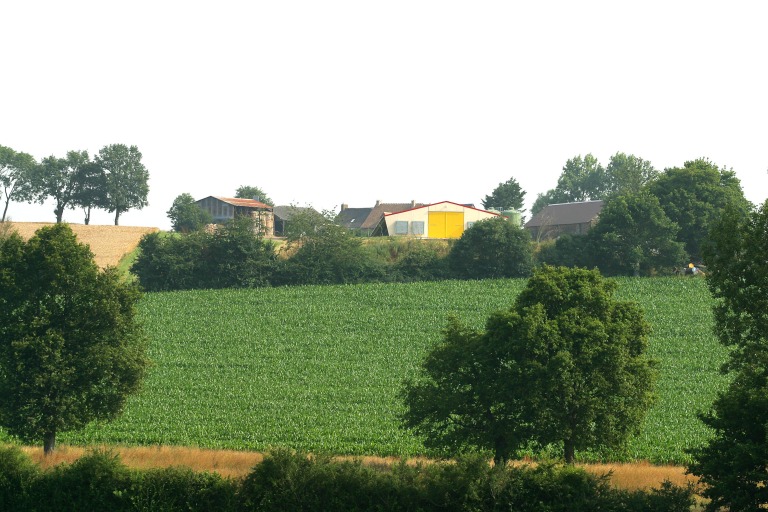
x=17, y=472
x=179, y=488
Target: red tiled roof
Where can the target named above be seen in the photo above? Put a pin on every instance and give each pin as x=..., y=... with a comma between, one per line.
x=237, y=201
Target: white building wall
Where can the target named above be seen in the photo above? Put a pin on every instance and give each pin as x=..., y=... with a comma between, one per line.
x=471, y=215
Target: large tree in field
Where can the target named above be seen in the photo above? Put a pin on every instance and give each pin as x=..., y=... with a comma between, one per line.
x=250, y=192
x=506, y=196
x=694, y=196
x=733, y=465
x=71, y=350
x=567, y=364
x=633, y=236
x=91, y=189
x=15, y=176
x=127, y=180
x=59, y=179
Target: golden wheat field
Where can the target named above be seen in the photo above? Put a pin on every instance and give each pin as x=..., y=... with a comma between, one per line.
x=108, y=243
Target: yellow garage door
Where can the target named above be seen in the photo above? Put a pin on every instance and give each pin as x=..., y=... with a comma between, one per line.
x=446, y=224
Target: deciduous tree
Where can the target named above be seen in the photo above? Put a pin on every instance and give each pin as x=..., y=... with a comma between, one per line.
x=127, y=180
x=15, y=176
x=186, y=215
x=60, y=180
x=506, y=196
x=250, y=192
x=71, y=350
x=492, y=248
x=566, y=364
x=733, y=464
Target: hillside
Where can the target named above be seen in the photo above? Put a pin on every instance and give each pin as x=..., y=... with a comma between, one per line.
x=108, y=243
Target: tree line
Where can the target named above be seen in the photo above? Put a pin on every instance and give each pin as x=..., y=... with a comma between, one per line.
x=114, y=180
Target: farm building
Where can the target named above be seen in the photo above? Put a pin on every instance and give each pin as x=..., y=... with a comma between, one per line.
x=284, y=214
x=223, y=209
x=365, y=221
x=558, y=219
x=438, y=220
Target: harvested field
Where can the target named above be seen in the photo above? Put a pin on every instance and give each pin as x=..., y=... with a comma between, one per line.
x=108, y=243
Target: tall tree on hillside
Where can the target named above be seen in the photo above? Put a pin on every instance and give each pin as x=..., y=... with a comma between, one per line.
x=628, y=174
x=582, y=179
x=694, y=196
x=567, y=364
x=71, y=350
x=506, y=196
x=15, y=176
x=91, y=189
x=127, y=180
x=59, y=179
x=251, y=192
x=732, y=465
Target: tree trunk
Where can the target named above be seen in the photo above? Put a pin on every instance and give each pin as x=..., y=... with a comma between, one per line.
x=569, y=451
x=117, y=216
x=87, y=215
x=49, y=443
x=5, y=210
x=59, y=211
x=500, y=451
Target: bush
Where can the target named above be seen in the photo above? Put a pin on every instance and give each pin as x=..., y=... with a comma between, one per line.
x=17, y=473
x=178, y=488
x=493, y=248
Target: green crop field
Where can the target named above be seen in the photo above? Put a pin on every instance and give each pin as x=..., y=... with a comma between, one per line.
x=320, y=368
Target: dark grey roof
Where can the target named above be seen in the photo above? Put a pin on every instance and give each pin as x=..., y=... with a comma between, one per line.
x=353, y=218
x=378, y=211
x=566, y=213
x=285, y=212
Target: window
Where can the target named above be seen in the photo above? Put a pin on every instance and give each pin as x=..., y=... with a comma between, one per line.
x=417, y=227
x=470, y=224
x=401, y=227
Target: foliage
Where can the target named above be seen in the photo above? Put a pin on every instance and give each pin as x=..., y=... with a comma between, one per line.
x=91, y=189
x=506, y=196
x=694, y=196
x=15, y=176
x=491, y=248
x=318, y=368
x=582, y=179
x=232, y=256
x=186, y=215
x=60, y=179
x=634, y=237
x=733, y=463
x=330, y=255
x=72, y=351
x=305, y=222
x=251, y=192
x=127, y=180
x=566, y=251
x=566, y=364
x=627, y=174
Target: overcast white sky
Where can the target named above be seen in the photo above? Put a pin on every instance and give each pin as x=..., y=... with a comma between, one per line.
x=330, y=102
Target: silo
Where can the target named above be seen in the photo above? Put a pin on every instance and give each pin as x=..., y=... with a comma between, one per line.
x=514, y=216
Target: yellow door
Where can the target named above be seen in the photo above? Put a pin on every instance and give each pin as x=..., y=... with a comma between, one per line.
x=446, y=224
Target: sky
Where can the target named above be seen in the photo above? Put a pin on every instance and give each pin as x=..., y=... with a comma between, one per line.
x=328, y=102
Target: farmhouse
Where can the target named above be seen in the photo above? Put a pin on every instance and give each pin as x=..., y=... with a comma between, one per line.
x=558, y=219
x=438, y=220
x=223, y=209
x=366, y=221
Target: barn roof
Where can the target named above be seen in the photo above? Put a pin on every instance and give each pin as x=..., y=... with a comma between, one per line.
x=467, y=205
x=287, y=212
x=353, y=218
x=238, y=201
x=566, y=213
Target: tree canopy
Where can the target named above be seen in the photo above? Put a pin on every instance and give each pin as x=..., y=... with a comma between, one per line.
x=633, y=236
x=492, y=248
x=250, y=192
x=15, y=176
x=127, y=180
x=733, y=464
x=186, y=215
x=694, y=196
x=506, y=196
x=566, y=364
x=71, y=350
x=59, y=179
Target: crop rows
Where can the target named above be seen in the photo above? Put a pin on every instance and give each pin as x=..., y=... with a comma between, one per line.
x=320, y=368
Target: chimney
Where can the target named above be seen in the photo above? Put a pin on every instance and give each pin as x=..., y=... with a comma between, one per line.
x=344, y=206
x=378, y=202
x=413, y=203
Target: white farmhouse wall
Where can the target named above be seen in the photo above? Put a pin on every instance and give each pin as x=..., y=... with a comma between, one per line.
x=416, y=222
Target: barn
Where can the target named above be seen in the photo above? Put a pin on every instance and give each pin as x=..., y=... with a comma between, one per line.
x=445, y=219
x=223, y=209
x=564, y=218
